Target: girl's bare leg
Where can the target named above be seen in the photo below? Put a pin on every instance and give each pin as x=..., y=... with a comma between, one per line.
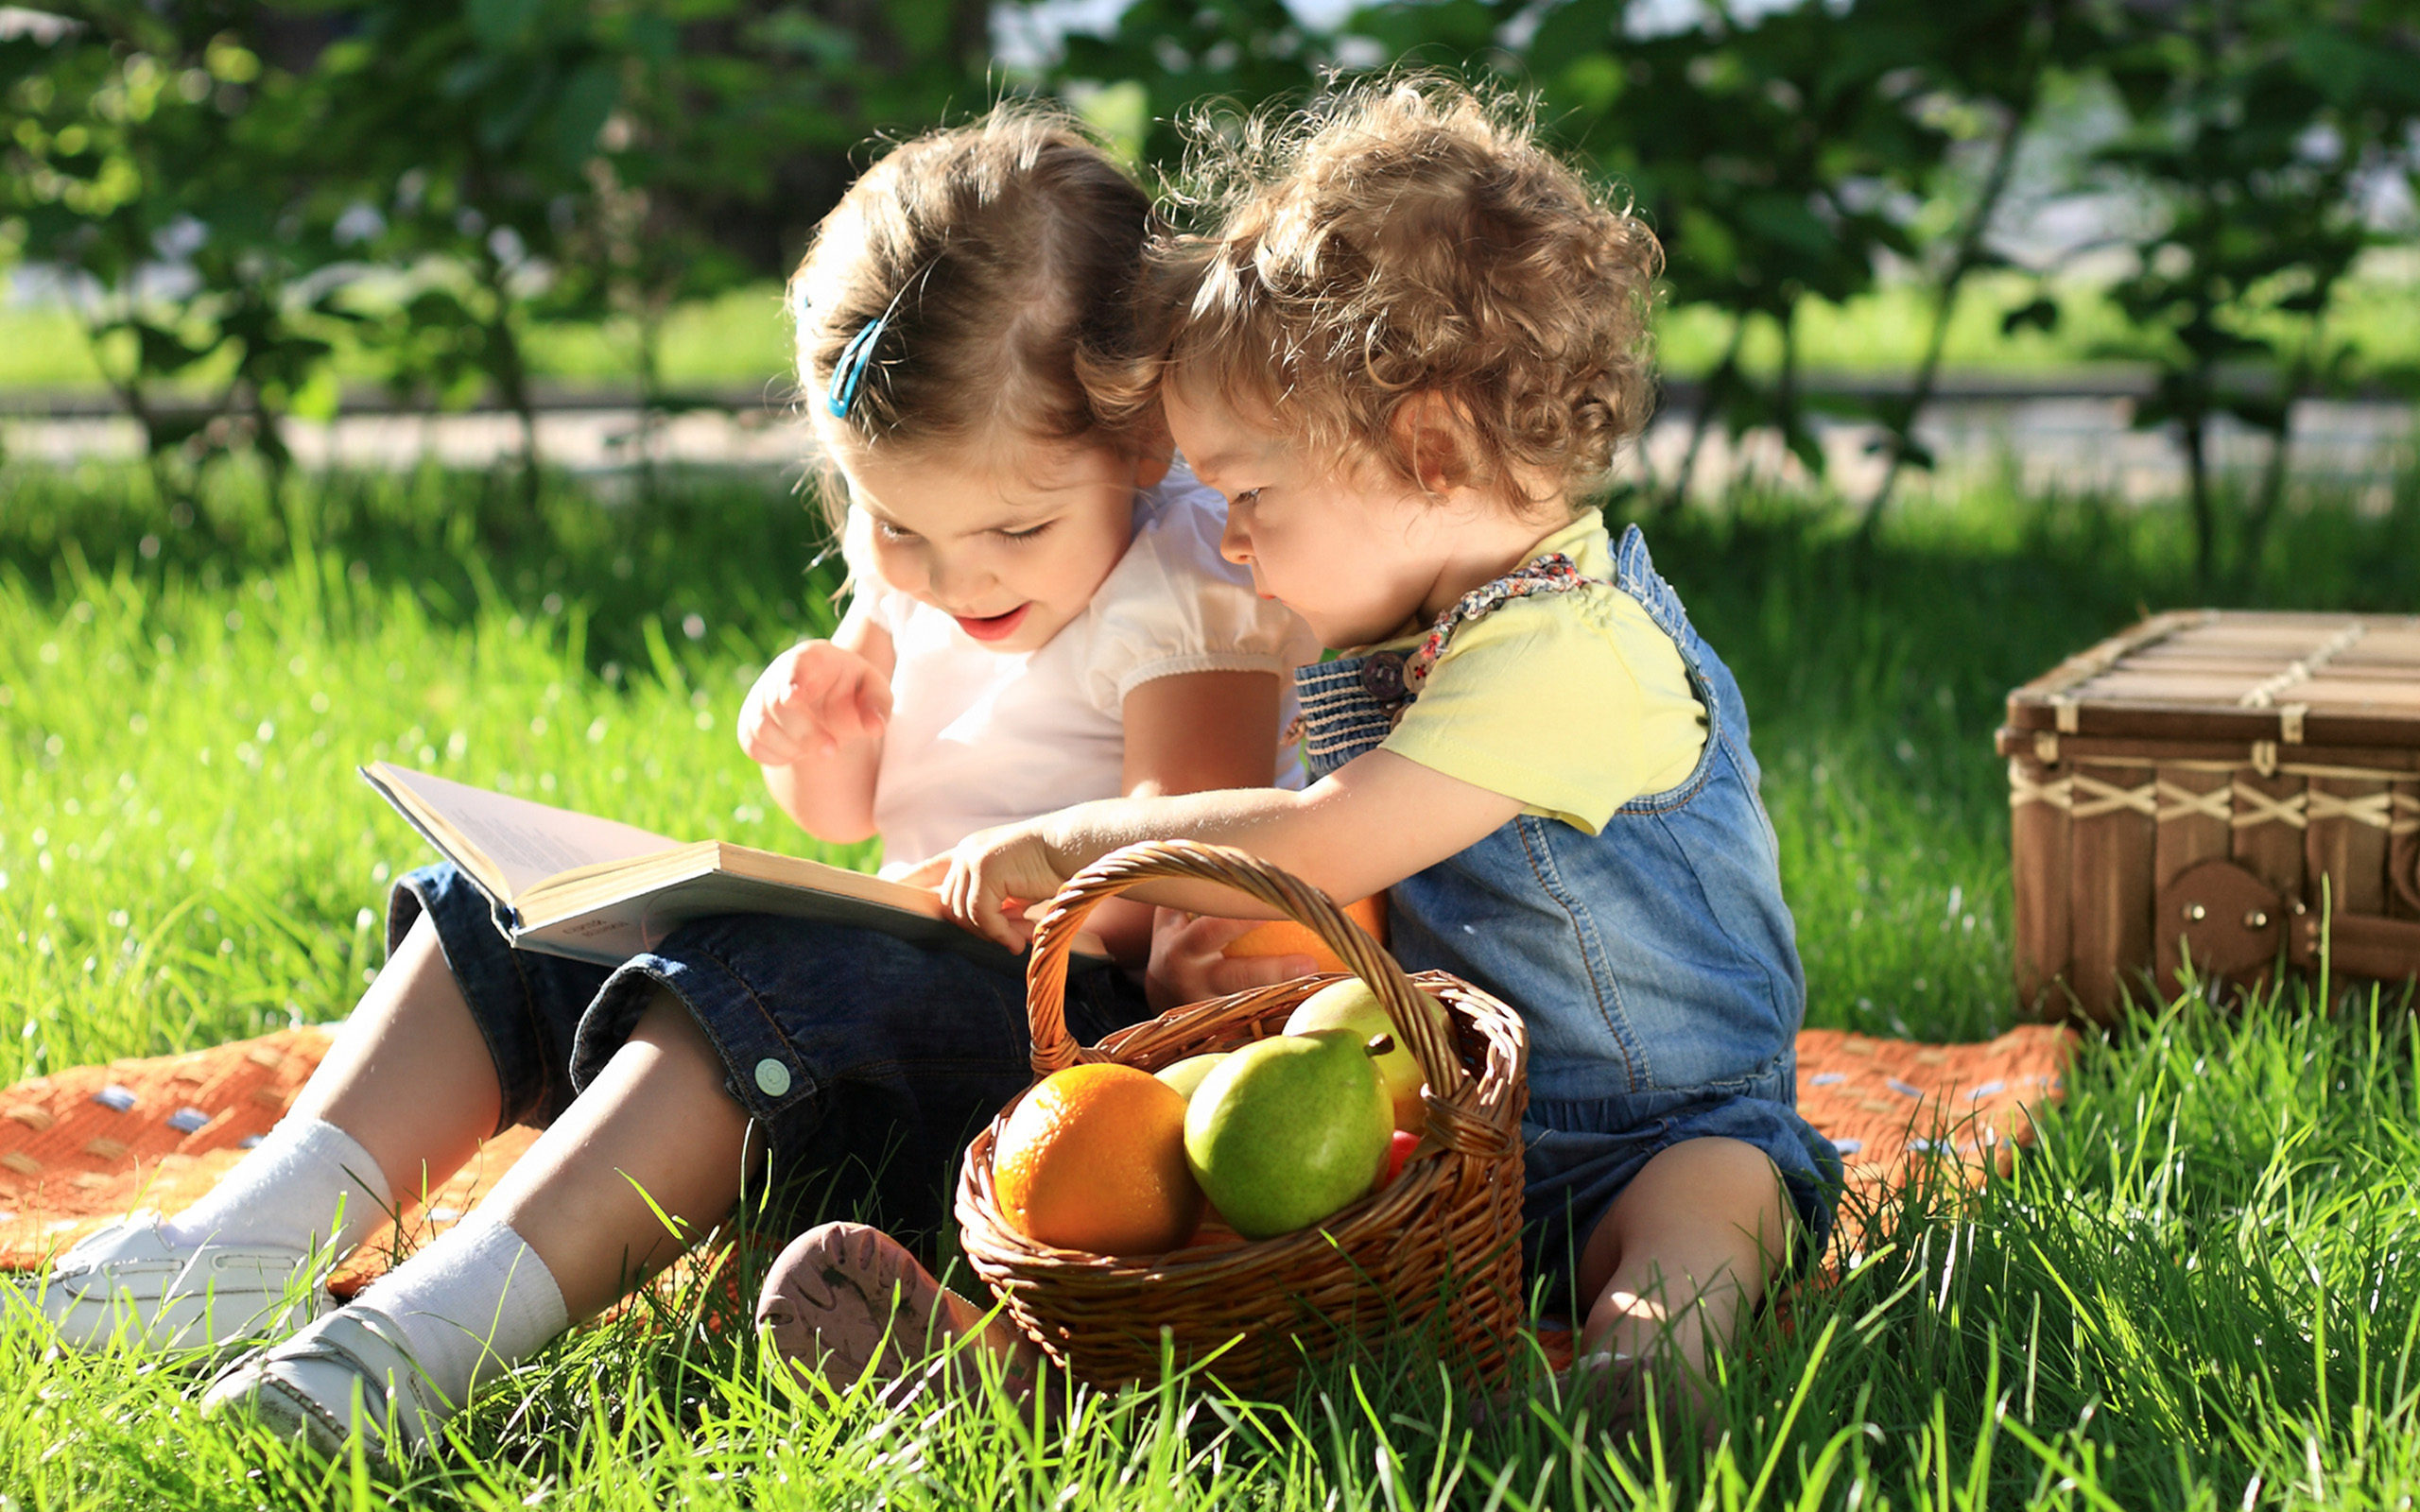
x=656, y=1121
x=1684, y=1253
x=408, y=1088
x=410, y=1078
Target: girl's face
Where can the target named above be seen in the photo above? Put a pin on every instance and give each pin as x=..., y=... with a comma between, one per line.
x=1356, y=552
x=1011, y=539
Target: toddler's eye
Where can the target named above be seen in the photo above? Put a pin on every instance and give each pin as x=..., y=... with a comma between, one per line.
x=891, y=533
x=1028, y=533
x=1247, y=496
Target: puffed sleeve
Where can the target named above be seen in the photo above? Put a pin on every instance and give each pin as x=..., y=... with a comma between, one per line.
x=1575, y=704
x=1174, y=605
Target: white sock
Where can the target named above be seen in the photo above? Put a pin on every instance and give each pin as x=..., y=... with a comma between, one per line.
x=307, y=1184
x=474, y=1304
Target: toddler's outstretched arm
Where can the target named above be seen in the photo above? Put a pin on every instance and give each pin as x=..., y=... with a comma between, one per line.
x=1370, y=823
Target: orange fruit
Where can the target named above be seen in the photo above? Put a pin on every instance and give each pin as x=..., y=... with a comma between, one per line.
x=1093, y=1159
x=1283, y=936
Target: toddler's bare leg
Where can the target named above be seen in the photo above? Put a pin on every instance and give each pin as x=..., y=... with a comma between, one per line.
x=1684, y=1253
x=656, y=1119
x=410, y=1078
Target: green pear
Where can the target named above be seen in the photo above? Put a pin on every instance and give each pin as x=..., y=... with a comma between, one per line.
x=1187, y=1074
x=1351, y=1004
x=1288, y=1129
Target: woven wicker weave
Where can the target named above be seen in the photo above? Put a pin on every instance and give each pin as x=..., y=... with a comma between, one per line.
x=1435, y=1253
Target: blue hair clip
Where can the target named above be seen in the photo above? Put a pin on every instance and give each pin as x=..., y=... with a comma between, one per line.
x=849, y=373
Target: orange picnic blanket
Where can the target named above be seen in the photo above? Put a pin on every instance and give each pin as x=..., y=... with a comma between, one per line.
x=82, y=1146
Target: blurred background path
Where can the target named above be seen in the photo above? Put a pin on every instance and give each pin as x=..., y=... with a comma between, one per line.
x=2049, y=440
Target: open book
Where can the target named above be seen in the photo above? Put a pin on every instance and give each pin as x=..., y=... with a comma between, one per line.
x=594, y=890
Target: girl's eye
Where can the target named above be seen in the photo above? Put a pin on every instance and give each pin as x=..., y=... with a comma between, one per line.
x=1247, y=496
x=892, y=533
x=1028, y=533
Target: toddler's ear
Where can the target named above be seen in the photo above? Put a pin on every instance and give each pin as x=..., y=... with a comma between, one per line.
x=1435, y=442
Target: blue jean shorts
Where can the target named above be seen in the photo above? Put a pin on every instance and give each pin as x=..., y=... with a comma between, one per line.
x=866, y=1061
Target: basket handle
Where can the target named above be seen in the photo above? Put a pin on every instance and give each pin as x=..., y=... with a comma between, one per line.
x=1055, y=1049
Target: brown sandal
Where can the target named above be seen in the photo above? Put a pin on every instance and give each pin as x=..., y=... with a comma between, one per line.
x=846, y=1300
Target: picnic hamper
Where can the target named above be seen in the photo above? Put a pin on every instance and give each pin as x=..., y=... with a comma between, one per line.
x=1436, y=1250
x=2237, y=792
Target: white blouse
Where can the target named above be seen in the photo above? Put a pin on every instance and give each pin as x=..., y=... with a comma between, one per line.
x=980, y=737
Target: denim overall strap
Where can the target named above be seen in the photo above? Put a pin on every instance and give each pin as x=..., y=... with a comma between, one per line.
x=1351, y=704
x=1635, y=575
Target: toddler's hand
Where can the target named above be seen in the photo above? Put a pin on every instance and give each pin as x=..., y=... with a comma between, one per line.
x=994, y=873
x=1187, y=965
x=815, y=698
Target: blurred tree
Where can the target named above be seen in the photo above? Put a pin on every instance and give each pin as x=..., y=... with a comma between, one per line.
x=467, y=129
x=234, y=176
x=1987, y=64
x=1188, y=53
x=2254, y=127
x=735, y=132
x=1774, y=155
x=151, y=157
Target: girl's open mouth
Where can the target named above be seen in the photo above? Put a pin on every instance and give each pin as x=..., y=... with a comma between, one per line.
x=994, y=627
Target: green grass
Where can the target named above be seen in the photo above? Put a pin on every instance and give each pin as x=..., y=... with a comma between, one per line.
x=2191, y=1295
x=736, y=341
x=740, y=339
x=1881, y=336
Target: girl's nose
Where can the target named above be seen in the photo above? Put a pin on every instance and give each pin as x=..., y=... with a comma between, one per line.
x=954, y=580
x=1235, y=537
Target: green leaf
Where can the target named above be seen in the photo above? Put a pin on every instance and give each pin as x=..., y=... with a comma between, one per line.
x=588, y=97
x=502, y=25
x=163, y=351
x=2040, y=314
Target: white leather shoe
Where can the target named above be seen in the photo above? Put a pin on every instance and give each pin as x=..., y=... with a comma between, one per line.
x=345, y=1374
x=130, y=1281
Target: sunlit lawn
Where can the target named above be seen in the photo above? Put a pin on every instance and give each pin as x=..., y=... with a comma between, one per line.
x=737, y=341
x=2194, y=1294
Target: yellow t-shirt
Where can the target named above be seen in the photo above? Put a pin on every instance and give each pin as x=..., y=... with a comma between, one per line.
x=1573, y=703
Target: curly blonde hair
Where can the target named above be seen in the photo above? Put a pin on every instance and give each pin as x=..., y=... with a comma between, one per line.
x=990, y=254
x=1396, y=243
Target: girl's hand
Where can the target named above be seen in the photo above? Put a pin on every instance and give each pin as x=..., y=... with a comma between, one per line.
x=814, y=698
x=995, y=873
x=1188, y=963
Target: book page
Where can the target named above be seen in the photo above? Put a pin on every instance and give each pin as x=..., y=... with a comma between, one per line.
x=523, y=843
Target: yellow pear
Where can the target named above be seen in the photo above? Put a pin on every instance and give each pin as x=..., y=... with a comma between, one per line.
x=1351, y=1004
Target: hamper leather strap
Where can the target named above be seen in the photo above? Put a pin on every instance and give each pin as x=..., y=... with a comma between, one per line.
x=2224, y=921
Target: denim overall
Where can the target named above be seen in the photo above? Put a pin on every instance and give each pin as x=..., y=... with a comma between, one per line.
x=1654, y=963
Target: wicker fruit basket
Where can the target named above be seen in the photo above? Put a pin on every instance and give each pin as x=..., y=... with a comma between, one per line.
x=1436, y=1253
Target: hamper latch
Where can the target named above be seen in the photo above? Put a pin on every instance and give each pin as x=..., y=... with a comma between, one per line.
x=2222, y=920
x=2228, y=923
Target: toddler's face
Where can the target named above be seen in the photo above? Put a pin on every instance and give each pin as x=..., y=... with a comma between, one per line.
x=1354, y=550
x=1011, y=538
